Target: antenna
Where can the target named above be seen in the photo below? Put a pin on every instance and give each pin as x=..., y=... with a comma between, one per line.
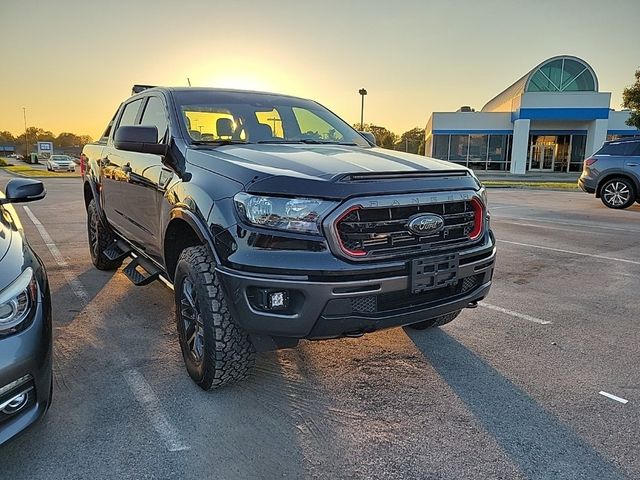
x=188, y=81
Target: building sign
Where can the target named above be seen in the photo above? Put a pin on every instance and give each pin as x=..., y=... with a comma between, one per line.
x=45, y=149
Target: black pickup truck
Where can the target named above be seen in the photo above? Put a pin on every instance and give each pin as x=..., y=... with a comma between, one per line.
x=275, y=221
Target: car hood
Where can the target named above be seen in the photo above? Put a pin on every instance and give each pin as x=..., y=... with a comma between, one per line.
x=258, y=167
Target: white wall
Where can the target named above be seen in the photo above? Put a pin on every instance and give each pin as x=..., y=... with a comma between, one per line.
x=471, y=121
x=617, y=121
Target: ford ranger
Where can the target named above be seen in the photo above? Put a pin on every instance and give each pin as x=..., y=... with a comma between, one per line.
x=275, y=221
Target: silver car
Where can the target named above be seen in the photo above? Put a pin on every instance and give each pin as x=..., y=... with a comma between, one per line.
x=61, y=163
x=613, y=173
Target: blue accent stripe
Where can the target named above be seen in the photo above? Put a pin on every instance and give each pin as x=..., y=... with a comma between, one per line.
x=472, y=132
x=623, y=132
x=557, y=132
x=561, y=114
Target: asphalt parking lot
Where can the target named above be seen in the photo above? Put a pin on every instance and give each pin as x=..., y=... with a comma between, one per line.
x=508, y=390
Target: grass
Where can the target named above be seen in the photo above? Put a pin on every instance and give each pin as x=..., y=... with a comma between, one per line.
x=540, y=185
x=26, y=171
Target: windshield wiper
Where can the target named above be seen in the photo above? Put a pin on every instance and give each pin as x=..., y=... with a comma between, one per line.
x=310, y=141
x=219, y=142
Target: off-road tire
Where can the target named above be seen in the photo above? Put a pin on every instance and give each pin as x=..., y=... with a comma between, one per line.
x=435, y=322
x=622, y=185
x=99, y=239
x=227, y=352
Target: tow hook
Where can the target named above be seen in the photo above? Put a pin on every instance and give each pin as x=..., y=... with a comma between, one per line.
x=473, y=304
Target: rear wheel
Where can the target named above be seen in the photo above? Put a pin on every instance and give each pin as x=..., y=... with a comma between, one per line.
x=618, y=193
x=99, y=239
x=216, y=350
x=435, y=322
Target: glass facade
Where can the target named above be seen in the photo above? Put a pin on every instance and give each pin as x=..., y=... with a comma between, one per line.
x=477, y=151
x=562, y=75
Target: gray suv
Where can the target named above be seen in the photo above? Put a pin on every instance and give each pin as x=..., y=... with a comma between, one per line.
x=613, y=173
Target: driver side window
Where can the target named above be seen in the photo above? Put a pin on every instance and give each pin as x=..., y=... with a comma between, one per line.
x=156, y=115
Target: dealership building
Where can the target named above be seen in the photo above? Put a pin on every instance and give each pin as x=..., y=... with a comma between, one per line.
x=547, y=121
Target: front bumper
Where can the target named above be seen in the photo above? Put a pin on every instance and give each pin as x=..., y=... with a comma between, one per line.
x=340, y=307
x=27, y=356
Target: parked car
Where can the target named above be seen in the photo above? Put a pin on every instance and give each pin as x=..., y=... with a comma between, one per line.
x=613, y=173
x=276, y=221
x=26, y=379
x=60, y=163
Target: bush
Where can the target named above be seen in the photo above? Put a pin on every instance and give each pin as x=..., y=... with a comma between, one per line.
x=4, y=163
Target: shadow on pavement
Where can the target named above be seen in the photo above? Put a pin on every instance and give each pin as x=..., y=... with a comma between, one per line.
x=537, y=442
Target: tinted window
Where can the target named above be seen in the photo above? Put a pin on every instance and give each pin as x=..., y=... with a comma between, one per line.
x=618, y=149
x=129, y=114
x=155, y=115
x=312, y=126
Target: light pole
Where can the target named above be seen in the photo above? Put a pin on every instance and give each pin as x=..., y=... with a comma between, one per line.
x=26, y=141
x=362, y=92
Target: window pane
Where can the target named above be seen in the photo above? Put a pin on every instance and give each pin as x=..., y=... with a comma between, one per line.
x=498, y=152
x=441, y=147
x=540, y=83
x=584, y=80
x=313, y=127
x=478, y=151
x=578, y=146
x=129, y=113
x=617, y=149
x=202, y=122
x=155, y=115
x=273, y=121
x=553, y=70
x=458, y=148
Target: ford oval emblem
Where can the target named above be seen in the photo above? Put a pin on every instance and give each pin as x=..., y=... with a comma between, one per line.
x=426, y=224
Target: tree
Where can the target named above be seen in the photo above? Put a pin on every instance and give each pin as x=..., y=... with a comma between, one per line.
x=631, y=100
x=7, y=139
x=411, y=141
x=384, y=138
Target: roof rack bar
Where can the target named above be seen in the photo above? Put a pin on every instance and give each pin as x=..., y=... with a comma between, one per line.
x=140, y=88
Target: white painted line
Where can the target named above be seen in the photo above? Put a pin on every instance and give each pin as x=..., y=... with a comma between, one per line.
x=613, y=397
x=141, y=390
x=521, y=316
x=572, y=252
x=562, y=222
x=75, y=285
x=548, y=227
x=145, y=397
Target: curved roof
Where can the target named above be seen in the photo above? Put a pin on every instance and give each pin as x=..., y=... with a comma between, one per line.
x=563, y=73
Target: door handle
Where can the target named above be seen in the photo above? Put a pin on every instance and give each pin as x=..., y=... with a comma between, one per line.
x=632, y=164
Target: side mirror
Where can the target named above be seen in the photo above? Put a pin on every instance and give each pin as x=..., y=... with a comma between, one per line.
x=370, y=137
x=139, y=138
x=21, y=190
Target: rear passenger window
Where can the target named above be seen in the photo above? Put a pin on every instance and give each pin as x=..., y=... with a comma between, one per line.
x=618, y=149
x=129, y=114
x=155, y=115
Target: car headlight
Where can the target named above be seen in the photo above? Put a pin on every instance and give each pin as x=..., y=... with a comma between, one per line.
x=16, y=302
x=300, y=215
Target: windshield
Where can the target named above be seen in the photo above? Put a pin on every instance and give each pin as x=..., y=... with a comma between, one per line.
x=240, y=117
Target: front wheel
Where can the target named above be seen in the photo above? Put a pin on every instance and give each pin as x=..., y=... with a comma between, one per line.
x=216, y=350
x=435, y=322
x=618, y=193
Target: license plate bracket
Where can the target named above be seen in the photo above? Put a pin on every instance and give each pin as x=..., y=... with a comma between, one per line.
x=434, y=272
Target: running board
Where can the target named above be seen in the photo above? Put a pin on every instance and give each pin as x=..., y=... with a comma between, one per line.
x=117, y=251
x=141, y=272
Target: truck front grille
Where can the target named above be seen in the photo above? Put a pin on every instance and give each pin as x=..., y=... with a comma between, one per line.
x=374, y=232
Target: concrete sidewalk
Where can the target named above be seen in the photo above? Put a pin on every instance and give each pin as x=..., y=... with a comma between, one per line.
x=560, y=177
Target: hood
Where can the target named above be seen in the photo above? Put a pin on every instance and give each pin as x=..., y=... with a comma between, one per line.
x=307, y=169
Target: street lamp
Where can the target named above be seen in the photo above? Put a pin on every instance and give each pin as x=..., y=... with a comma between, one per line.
x=26, y=142
x=362, y=92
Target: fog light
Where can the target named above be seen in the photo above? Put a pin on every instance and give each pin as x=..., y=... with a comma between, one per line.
x=278, y=300
x=14, y=405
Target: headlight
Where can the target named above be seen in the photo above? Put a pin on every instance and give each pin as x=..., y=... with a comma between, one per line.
x=16, y=302
x=301, y=215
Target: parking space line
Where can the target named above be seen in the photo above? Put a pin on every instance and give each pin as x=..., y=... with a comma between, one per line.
x=145, y=397
x=548, y=227
x=613, y=397
x=77, y=288
x=562, y=222
x=521, y=316
x=572, y=252
x=140, y=388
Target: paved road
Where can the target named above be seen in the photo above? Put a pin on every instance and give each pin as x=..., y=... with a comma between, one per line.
x=509, y=390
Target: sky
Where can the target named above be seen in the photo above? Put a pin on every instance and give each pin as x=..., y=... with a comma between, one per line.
x=70, y=63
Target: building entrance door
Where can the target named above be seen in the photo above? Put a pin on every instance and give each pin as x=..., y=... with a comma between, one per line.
x=542, y=157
